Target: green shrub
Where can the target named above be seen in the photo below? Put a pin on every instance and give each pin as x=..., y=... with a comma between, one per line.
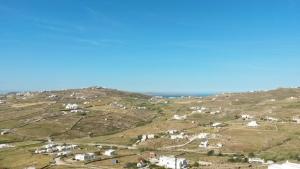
x=251, y=155
x=211, y=153
x=130, y=165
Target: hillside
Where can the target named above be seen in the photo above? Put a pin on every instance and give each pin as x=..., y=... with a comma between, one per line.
x=39, y=115
x=98, y=118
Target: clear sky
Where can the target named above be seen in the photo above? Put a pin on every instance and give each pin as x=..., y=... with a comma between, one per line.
x=150, y=45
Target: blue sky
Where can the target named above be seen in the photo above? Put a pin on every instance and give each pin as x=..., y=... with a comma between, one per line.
x=150, y=45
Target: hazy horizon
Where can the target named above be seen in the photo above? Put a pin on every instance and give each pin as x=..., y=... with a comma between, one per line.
x=157, y=93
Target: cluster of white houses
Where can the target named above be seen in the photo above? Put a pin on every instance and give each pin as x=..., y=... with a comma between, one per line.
x=59, y=150
x=92, y=156
x=72, y=106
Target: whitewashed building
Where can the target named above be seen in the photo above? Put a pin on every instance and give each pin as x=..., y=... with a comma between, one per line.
x=85, y=157
x=286, y=165
x=296, y=119
x=5, y=131
x=246, y=117
x=178, y=117
x=31, y=167
x=202, y=136
x=252, y=124
x=272, y=119
x=172, y=131
x=256, y=160
x=110, y=152
x=63, y=153
x=178, y=136
x=172, y=162
x=5, y=146
x=151, y=136
x=72, y=106
x=203, y=144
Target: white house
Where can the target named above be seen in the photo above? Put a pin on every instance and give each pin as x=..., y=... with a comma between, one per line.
x=150, y=136
x=40, y=151
x=110, y=152
x=204, y=144
x=172, y=162
x=256, y=160
x=147, y=136
x=50, y=145
x=172, y=131
x=252, y=124
x=32, y=167
x=292, y=98
x=220, y=145
x=5, y=146
x=144, y=138
x=85, y=157
x=178, y=117
x=77, y=111
x=52, y=96
x=63, y=153
x=246, y=117
x=271, y=119
x=286, y=165
x=296, y=119
x=178, y=136
x=72, y=106
x=5, y=131
x=66, y=147
x=202, y=136
x=215, y=112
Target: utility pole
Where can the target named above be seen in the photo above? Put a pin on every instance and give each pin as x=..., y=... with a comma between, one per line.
x=175, y=162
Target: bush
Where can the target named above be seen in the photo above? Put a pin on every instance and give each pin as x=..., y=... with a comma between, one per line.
x=251, y=155
x=238, y=159
x=130, y=165
x=220, y=154
x=196, y=164
x=152, y=166
x=211, y=153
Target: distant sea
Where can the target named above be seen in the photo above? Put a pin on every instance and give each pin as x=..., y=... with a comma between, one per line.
x=170, y=95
